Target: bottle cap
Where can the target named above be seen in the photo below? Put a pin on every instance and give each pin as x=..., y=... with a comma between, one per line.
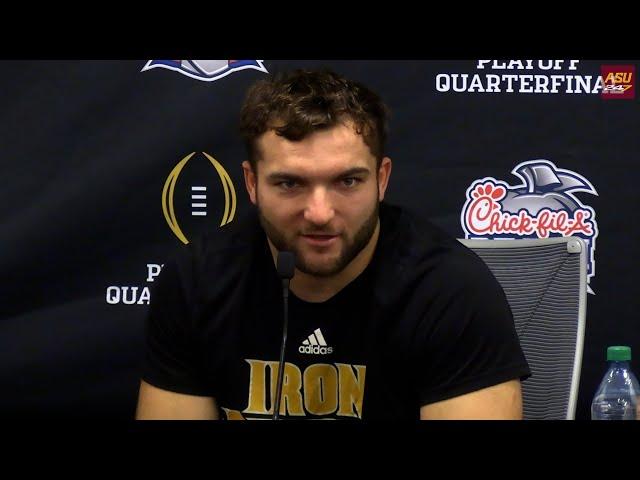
x=619, y=353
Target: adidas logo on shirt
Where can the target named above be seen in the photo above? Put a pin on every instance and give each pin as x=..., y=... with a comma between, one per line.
x=315, y=344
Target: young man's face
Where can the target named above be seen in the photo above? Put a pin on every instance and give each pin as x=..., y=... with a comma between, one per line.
x=318, y=197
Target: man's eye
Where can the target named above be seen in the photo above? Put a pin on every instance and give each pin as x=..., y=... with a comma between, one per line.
x=287, y=184
x=351, y=181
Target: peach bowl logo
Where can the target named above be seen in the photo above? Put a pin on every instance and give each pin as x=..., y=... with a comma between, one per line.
x=543, y=206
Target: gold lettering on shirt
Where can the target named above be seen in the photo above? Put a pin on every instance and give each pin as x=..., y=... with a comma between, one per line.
x=291, y=400
x=257, y=392
x=351, y=389
x=321, y=389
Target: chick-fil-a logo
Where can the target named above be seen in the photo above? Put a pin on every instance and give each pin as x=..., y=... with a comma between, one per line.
x=542, y=206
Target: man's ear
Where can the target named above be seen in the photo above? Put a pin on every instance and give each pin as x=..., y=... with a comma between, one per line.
x=250, y=180
x=384, y=172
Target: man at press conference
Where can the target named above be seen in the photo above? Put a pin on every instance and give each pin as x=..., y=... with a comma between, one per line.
x=382, y=315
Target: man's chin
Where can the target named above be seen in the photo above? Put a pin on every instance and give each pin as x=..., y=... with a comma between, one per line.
x=317, y=266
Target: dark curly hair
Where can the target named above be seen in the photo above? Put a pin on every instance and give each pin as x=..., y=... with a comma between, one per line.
x=298, y=103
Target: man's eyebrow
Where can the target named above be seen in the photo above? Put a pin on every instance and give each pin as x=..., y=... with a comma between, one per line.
x=354, y=171
x=275, y=176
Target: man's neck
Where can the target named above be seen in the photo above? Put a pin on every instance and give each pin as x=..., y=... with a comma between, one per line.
x=311, y=288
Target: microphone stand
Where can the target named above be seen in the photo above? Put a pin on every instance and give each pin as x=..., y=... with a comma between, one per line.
x=286, y=269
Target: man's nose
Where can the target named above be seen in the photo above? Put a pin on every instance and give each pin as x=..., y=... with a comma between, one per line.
x=319, y=209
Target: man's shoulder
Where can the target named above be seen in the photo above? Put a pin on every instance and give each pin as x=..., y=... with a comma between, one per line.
x=415, y=249
x=242, y=235
x=411, y=237
x=221, y=252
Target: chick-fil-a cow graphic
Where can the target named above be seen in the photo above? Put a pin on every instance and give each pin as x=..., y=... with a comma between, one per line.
x=543, y=206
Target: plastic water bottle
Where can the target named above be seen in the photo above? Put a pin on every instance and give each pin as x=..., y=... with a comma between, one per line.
x=617, y=395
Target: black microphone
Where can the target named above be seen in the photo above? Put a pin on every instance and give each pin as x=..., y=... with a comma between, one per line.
x=285, y=265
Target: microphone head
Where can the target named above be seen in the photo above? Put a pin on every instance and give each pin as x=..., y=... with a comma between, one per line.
x=286, y=264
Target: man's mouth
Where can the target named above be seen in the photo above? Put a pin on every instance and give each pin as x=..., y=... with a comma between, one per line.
x=320, y=240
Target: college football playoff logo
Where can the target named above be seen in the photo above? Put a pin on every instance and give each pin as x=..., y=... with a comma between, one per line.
x=200, y=196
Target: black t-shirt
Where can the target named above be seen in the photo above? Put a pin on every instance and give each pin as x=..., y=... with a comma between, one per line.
x=425, y=321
